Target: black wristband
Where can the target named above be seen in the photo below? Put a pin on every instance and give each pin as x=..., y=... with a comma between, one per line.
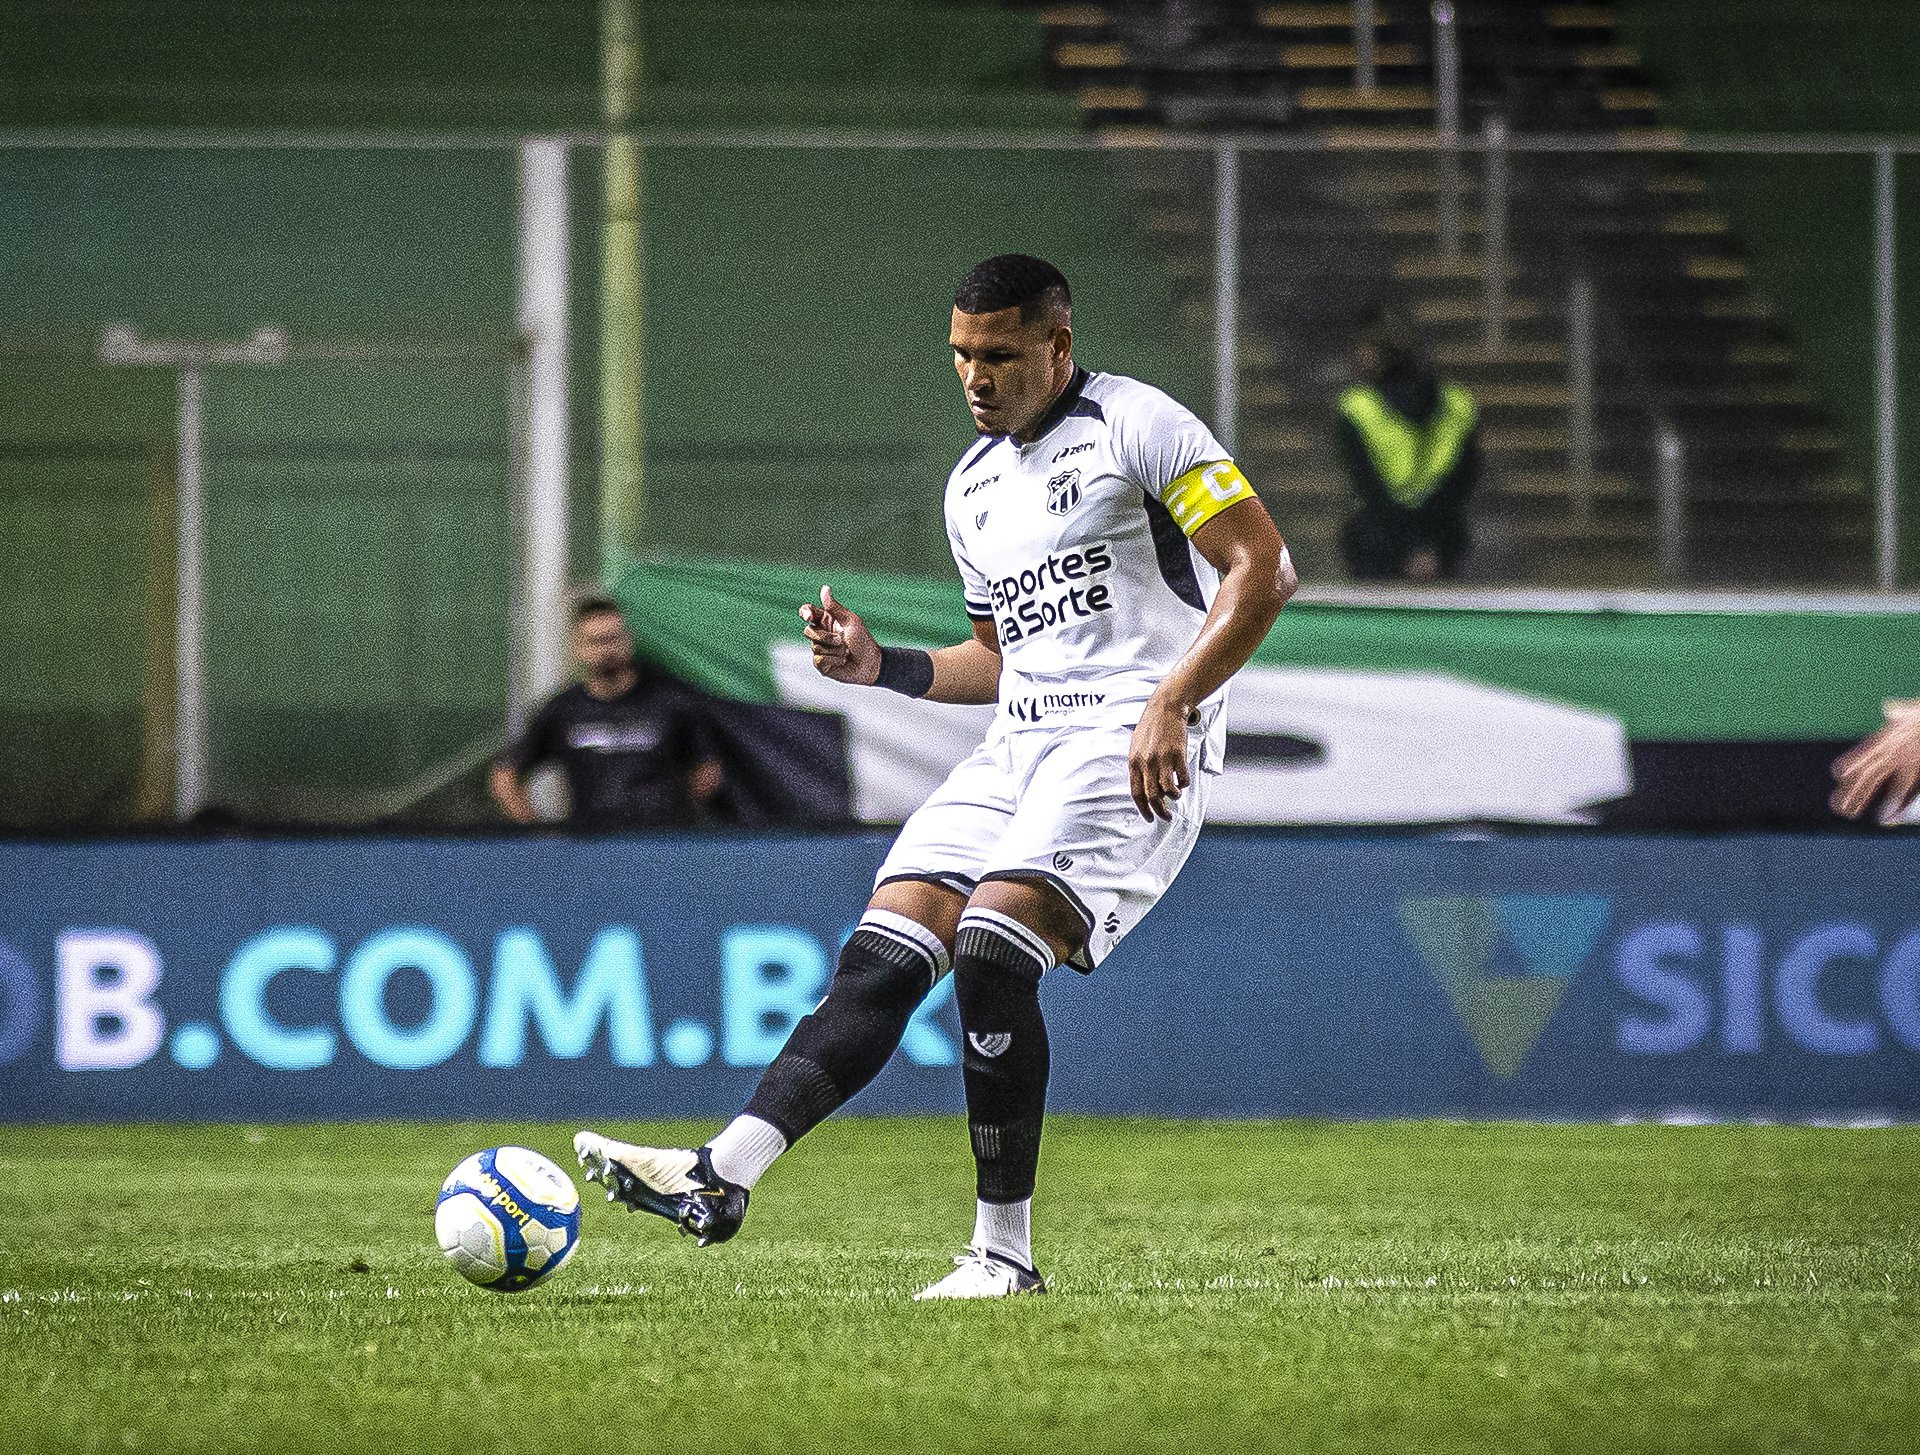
x=907, y=670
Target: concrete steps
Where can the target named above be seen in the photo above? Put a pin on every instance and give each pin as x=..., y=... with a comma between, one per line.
x=1683, y=337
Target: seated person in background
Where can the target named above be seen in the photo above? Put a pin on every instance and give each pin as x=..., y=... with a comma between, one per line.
x=1412, y=456
x=631, y=741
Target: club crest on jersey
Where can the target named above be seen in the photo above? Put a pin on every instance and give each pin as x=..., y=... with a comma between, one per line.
x=1063, y=492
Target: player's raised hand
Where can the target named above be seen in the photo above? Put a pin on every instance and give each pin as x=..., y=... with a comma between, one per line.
x=843, y=648
x=1886, y=767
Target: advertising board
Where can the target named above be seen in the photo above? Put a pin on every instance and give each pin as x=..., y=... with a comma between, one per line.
x=1560, y=975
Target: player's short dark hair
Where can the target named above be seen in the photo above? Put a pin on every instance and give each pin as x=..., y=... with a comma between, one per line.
x=595, y=605
x=1015, y=280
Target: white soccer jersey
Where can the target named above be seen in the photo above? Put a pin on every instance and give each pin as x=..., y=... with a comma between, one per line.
x=1076, y=547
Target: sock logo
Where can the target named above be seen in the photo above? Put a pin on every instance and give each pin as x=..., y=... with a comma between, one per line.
x=992, y=1044
x=1505, y=962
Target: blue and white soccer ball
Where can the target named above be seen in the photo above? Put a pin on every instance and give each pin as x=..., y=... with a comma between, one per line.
x=507, y=1218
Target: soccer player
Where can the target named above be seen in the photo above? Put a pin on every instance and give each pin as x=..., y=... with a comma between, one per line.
x=1118, y=569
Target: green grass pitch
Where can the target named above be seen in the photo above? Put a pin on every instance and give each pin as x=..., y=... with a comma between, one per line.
x=1217, y=1286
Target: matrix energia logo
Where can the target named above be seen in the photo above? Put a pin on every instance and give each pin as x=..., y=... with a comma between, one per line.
x=1505, y=961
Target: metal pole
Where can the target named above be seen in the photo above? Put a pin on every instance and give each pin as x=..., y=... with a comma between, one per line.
x=1226, y=292
x=190, y=601
x=1671, y=488
x=123, y=344
x=520, y=685
x=1363, y=20
x=1493, y=240
x=623, y=496
x=1886, y=457
x=541, y=664
x=1581, y=391
x=1446, y=116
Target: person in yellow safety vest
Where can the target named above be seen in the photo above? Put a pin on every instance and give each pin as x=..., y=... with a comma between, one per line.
x=1411, y=450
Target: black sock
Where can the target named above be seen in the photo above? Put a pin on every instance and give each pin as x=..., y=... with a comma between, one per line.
x=888, y=966
x=997, y=965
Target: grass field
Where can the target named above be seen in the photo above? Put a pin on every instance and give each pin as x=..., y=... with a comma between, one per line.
x=1283, y=1286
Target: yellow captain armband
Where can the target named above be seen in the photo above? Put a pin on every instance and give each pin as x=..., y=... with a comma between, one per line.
x=1203, y=492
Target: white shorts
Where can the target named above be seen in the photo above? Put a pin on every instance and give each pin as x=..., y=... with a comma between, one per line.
x=1055, y=805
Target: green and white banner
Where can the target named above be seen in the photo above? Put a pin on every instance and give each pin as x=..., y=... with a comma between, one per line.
x=1371, y=708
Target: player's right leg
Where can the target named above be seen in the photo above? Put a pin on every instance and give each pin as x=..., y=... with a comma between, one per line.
x=901, y=948
x=896, y=954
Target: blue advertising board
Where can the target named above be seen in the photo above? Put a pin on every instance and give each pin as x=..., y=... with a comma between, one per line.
x=1560, y=976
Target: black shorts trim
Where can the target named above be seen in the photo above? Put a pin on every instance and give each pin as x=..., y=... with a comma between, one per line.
x=958, y=883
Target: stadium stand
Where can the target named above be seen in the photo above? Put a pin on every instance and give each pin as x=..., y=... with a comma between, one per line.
x=1684, y=333
x=1801, y=68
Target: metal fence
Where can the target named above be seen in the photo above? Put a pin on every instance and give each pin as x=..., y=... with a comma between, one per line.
x=1685, y=350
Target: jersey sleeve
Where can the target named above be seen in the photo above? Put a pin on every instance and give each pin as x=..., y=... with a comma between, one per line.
x=1176, y=459
x=973, y=585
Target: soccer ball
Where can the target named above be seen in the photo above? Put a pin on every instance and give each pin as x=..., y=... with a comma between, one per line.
x=507, y=1218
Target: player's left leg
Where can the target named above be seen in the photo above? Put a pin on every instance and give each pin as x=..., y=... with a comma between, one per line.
x=1014, y=931
x=1076, y=870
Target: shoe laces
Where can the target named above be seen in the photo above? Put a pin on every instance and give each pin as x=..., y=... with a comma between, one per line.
x=988, y=1263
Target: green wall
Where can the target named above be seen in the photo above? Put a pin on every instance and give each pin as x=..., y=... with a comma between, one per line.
x=800, y=406
x=357, y=511
x=802, y=401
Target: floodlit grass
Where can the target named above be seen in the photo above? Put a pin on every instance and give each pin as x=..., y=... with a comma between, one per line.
x=1217, y=1286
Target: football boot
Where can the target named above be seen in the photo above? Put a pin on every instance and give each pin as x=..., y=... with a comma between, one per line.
x=980, y=1274
x=670, y=1182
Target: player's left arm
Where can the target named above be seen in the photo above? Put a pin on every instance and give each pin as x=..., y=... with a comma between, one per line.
x=1256, y=580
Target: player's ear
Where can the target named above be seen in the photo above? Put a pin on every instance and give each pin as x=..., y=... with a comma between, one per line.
x=1063, y=341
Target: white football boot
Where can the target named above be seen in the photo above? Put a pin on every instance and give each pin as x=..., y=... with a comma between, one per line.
x=979, y=1274
x=676, y=1183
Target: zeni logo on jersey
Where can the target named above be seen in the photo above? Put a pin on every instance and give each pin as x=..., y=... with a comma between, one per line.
x=1062, y=588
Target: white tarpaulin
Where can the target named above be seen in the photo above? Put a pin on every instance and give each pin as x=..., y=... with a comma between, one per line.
x=1305, y=745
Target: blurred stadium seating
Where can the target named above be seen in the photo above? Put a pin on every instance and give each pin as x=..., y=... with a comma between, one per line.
x=1685, y=333
x=1803, y=69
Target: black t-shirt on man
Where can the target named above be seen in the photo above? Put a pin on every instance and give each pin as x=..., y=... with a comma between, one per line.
x=626, y=758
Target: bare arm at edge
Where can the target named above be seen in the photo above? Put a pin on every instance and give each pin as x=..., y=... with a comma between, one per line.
x=510, y=793
x=1884, y=769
